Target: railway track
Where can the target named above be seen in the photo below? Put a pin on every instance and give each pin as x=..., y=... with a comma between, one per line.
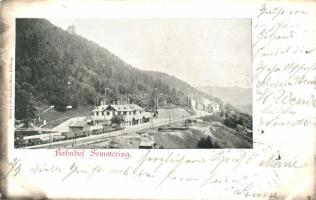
x=91, y=139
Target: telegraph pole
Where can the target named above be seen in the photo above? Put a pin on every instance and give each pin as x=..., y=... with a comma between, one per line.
x=156, y=99
x=105, y=88
x=68, y=106
x=103, y=111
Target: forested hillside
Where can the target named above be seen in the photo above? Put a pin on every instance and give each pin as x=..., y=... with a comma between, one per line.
x=56, y=68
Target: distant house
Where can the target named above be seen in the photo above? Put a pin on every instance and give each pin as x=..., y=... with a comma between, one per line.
x=213, y=107
x=248, y=132
x=132, y=114
x=190, y=122
x=216, y=107
x=146, y=145
x=79, y=128
x=147, y=142
x=198, y=104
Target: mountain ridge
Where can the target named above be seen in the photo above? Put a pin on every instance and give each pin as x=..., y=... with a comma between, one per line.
x=54, y=67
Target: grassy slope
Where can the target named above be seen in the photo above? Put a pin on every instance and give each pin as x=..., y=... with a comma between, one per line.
x=54, y=118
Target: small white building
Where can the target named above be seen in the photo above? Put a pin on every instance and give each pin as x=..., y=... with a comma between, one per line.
x=197, y=104
x=132, y=114
x=216, y=107
x=213, y=107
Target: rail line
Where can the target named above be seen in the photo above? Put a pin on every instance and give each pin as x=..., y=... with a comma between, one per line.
x=91, y=139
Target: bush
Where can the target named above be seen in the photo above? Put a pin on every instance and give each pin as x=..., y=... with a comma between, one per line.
x=116, y=120
x=206, y=143
x=230, y=122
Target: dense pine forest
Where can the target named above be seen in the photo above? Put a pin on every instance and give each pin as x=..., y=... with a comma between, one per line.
x=56, y=68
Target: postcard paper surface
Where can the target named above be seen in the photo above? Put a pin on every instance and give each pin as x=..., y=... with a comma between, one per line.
x=160, y=100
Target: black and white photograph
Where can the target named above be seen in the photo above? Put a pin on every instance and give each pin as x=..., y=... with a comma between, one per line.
x=136, y=99
x=152, y=83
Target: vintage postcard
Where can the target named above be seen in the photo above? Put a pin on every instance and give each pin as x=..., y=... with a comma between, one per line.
x=135, y=100
x=88, y=96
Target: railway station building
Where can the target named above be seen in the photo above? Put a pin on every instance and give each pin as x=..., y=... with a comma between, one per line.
x=131, y=114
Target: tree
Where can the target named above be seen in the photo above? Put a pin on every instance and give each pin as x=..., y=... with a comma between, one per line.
x=240, y=120
x=117, y=120
x=205, y=143
x=24, y=106
x=190, y=103
x=230, y=122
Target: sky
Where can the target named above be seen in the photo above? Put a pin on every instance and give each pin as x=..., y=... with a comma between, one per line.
x=202, y=52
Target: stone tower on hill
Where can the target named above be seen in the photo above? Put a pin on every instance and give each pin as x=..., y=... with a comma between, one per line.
x=71, y=29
